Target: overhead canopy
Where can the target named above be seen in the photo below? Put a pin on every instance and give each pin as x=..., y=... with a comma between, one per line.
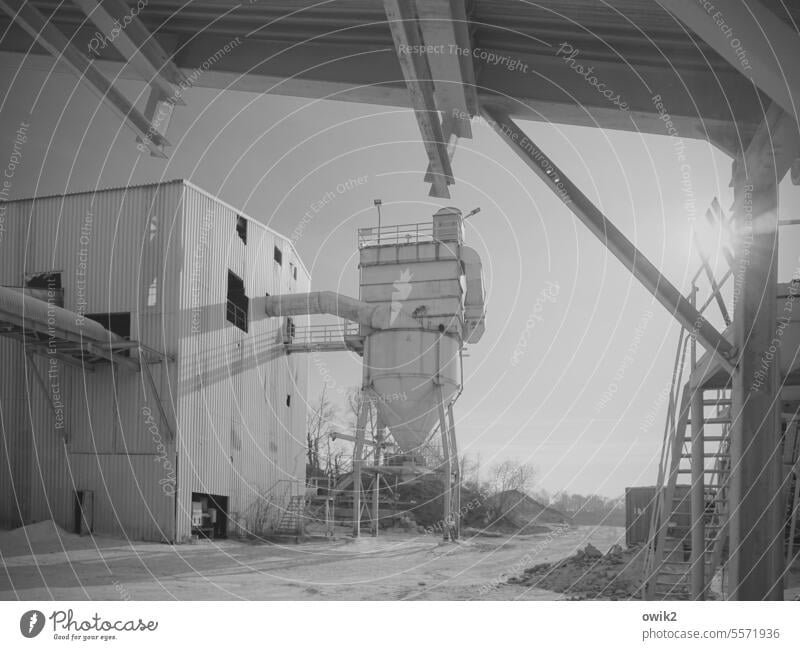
x=525, y=55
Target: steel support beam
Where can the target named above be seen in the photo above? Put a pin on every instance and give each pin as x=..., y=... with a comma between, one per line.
x=135, y=43
x=447, y=478
x=407, y=40
x=756, y=503
x=51, y=38
x=767, y=47
x=358, y=460
x=437, y=24
x=622, y=248
x=457, y=472
x=769, y=155
x=697, y=496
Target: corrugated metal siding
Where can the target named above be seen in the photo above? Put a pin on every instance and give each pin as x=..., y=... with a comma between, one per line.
x=239, y=439
x=109, y=247
x=162, y=253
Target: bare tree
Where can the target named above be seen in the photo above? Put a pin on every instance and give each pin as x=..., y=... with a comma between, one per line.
x=508, y=478
x=470, y=473
x=319, y=423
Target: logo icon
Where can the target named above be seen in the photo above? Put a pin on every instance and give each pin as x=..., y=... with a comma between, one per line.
x=31, y=623
x=402, y=288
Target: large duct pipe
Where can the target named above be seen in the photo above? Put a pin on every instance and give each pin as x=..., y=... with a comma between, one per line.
x=379, y=317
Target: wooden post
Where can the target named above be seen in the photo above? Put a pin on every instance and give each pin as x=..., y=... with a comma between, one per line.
x=756, y=517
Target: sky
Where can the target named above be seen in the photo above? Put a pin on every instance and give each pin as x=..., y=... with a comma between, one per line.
x=585, y=403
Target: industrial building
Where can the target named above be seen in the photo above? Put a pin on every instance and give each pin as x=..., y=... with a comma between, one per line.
x=140, y=396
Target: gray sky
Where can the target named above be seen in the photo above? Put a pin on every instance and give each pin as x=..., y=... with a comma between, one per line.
x=274, y=157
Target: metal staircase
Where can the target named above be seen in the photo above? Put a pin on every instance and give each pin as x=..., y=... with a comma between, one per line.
x=293, y=517
x=670, y=559
x=698, y=454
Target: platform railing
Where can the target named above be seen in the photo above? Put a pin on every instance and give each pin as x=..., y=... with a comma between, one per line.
x=410, y=233
x=322, y=335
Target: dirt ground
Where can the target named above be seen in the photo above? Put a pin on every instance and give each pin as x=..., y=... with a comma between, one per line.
x=43, y=562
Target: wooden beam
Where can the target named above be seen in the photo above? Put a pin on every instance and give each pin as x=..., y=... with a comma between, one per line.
x=611, y=237
x=750, y=37
x=409, y=46
x=51, y=38
x=134, y=41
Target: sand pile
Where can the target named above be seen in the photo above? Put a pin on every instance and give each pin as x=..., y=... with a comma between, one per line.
x=589, y=574
x=41, y=537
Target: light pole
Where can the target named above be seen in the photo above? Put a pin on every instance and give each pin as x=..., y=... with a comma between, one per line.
x=377, y=203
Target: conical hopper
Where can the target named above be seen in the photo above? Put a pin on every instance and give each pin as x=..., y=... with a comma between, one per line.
x=403, y=373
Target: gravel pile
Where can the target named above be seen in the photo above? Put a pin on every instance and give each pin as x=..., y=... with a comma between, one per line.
x=589, y=574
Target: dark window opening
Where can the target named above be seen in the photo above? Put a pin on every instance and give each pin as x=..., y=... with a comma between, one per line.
x=288, y=400
x=238, y=303
x=294, y=272
x=46, y=286
x=117, y=322
x=83, y=512
x=279, y=256
x=289, y=330
x=209, y=515
x=50, y=280
x=241, y=228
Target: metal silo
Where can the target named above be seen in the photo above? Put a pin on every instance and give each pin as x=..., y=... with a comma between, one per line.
x=421, y=300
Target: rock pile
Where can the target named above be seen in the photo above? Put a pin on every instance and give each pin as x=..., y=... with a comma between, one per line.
x=589, y=574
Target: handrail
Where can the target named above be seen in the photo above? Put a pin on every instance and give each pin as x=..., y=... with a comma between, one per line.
x=412, y=233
